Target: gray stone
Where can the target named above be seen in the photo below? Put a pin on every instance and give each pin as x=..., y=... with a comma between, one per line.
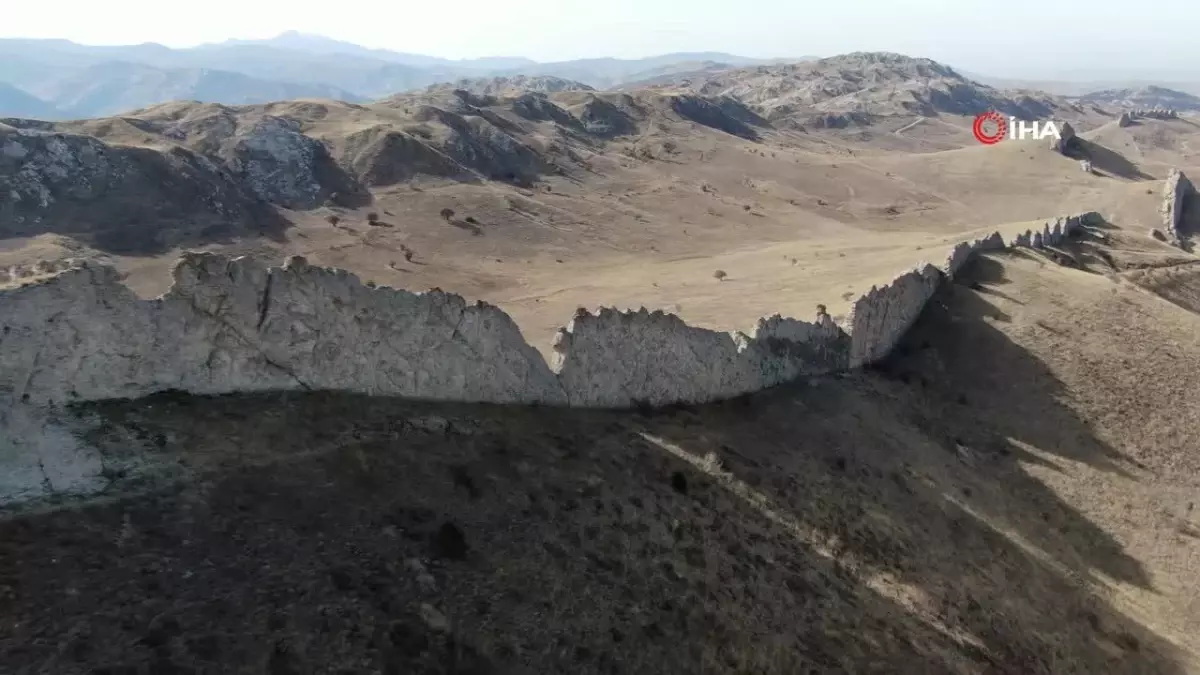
x=1177, y=191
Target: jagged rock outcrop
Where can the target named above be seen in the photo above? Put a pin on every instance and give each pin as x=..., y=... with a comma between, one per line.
x=283, y=166
x=961, y=253
x=880, y=318
x=1066, y=138
x=1177, y=191
x=119, y=198
x=615, y=359
x=536, y=107
x=1124, y=120
x=236, y=326
x=515, y=85
x=1154, y=113
x=605, y=118
x=724, y=114
x=1054, y=232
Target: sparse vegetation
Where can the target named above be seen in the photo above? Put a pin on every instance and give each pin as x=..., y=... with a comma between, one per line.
x=332, y=219
x=447, y=214
x=720, y=275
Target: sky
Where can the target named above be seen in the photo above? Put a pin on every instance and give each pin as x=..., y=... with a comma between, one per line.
x=1013, y=38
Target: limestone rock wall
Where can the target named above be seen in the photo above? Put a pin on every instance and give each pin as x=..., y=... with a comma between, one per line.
x=1176, y=191
x=1053, y=232
x=880, y=318
x=961, y=253
x=615, y=359
x=235, y=325
x=1154, y=113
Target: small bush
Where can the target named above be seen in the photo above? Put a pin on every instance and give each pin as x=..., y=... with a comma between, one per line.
x=372, y=217
x=720, y=275
x=471, y=220
x=447, y=214
x=333, y=219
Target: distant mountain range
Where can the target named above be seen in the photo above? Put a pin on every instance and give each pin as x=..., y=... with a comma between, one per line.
x=1145, y=97
x=59, y=79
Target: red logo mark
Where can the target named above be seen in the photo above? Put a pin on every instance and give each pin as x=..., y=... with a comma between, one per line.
x=990, y=128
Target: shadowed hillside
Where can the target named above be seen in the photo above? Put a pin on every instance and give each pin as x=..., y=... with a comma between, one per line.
x=1007, y=494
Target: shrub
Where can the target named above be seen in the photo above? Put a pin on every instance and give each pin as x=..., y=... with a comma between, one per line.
x=720, y=275
x=333, y=219
x=447, y=214
x=471, y=220
x=372, y=217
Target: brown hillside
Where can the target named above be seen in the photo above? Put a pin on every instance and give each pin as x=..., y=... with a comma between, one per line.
x=1011, y=493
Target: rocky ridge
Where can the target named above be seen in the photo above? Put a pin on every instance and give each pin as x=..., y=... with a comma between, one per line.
x=236, y=326
x=861, y=87
x=1144, y=99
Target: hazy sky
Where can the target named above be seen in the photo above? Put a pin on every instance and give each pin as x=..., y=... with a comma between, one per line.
x=1005, y=38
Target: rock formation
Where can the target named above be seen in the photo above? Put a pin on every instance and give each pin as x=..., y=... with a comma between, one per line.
x=1154, y=113
x=1124, y=120
x=120, y=198
x=1177, y=190
x=1065, y=140
x=283, y=166
x=236, y=326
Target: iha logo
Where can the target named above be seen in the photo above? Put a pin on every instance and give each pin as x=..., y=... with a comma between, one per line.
x=992, y=127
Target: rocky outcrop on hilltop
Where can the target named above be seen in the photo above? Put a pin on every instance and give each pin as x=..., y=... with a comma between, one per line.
x=863, y=86
x=511, y=86
x=283, y=166
x=119, y=198
x=722, y=113
x=606, y=118
x=1150, y=98
x=1155, y=113
x=1066, y=138
x=1178, y=191
x=539, y=108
